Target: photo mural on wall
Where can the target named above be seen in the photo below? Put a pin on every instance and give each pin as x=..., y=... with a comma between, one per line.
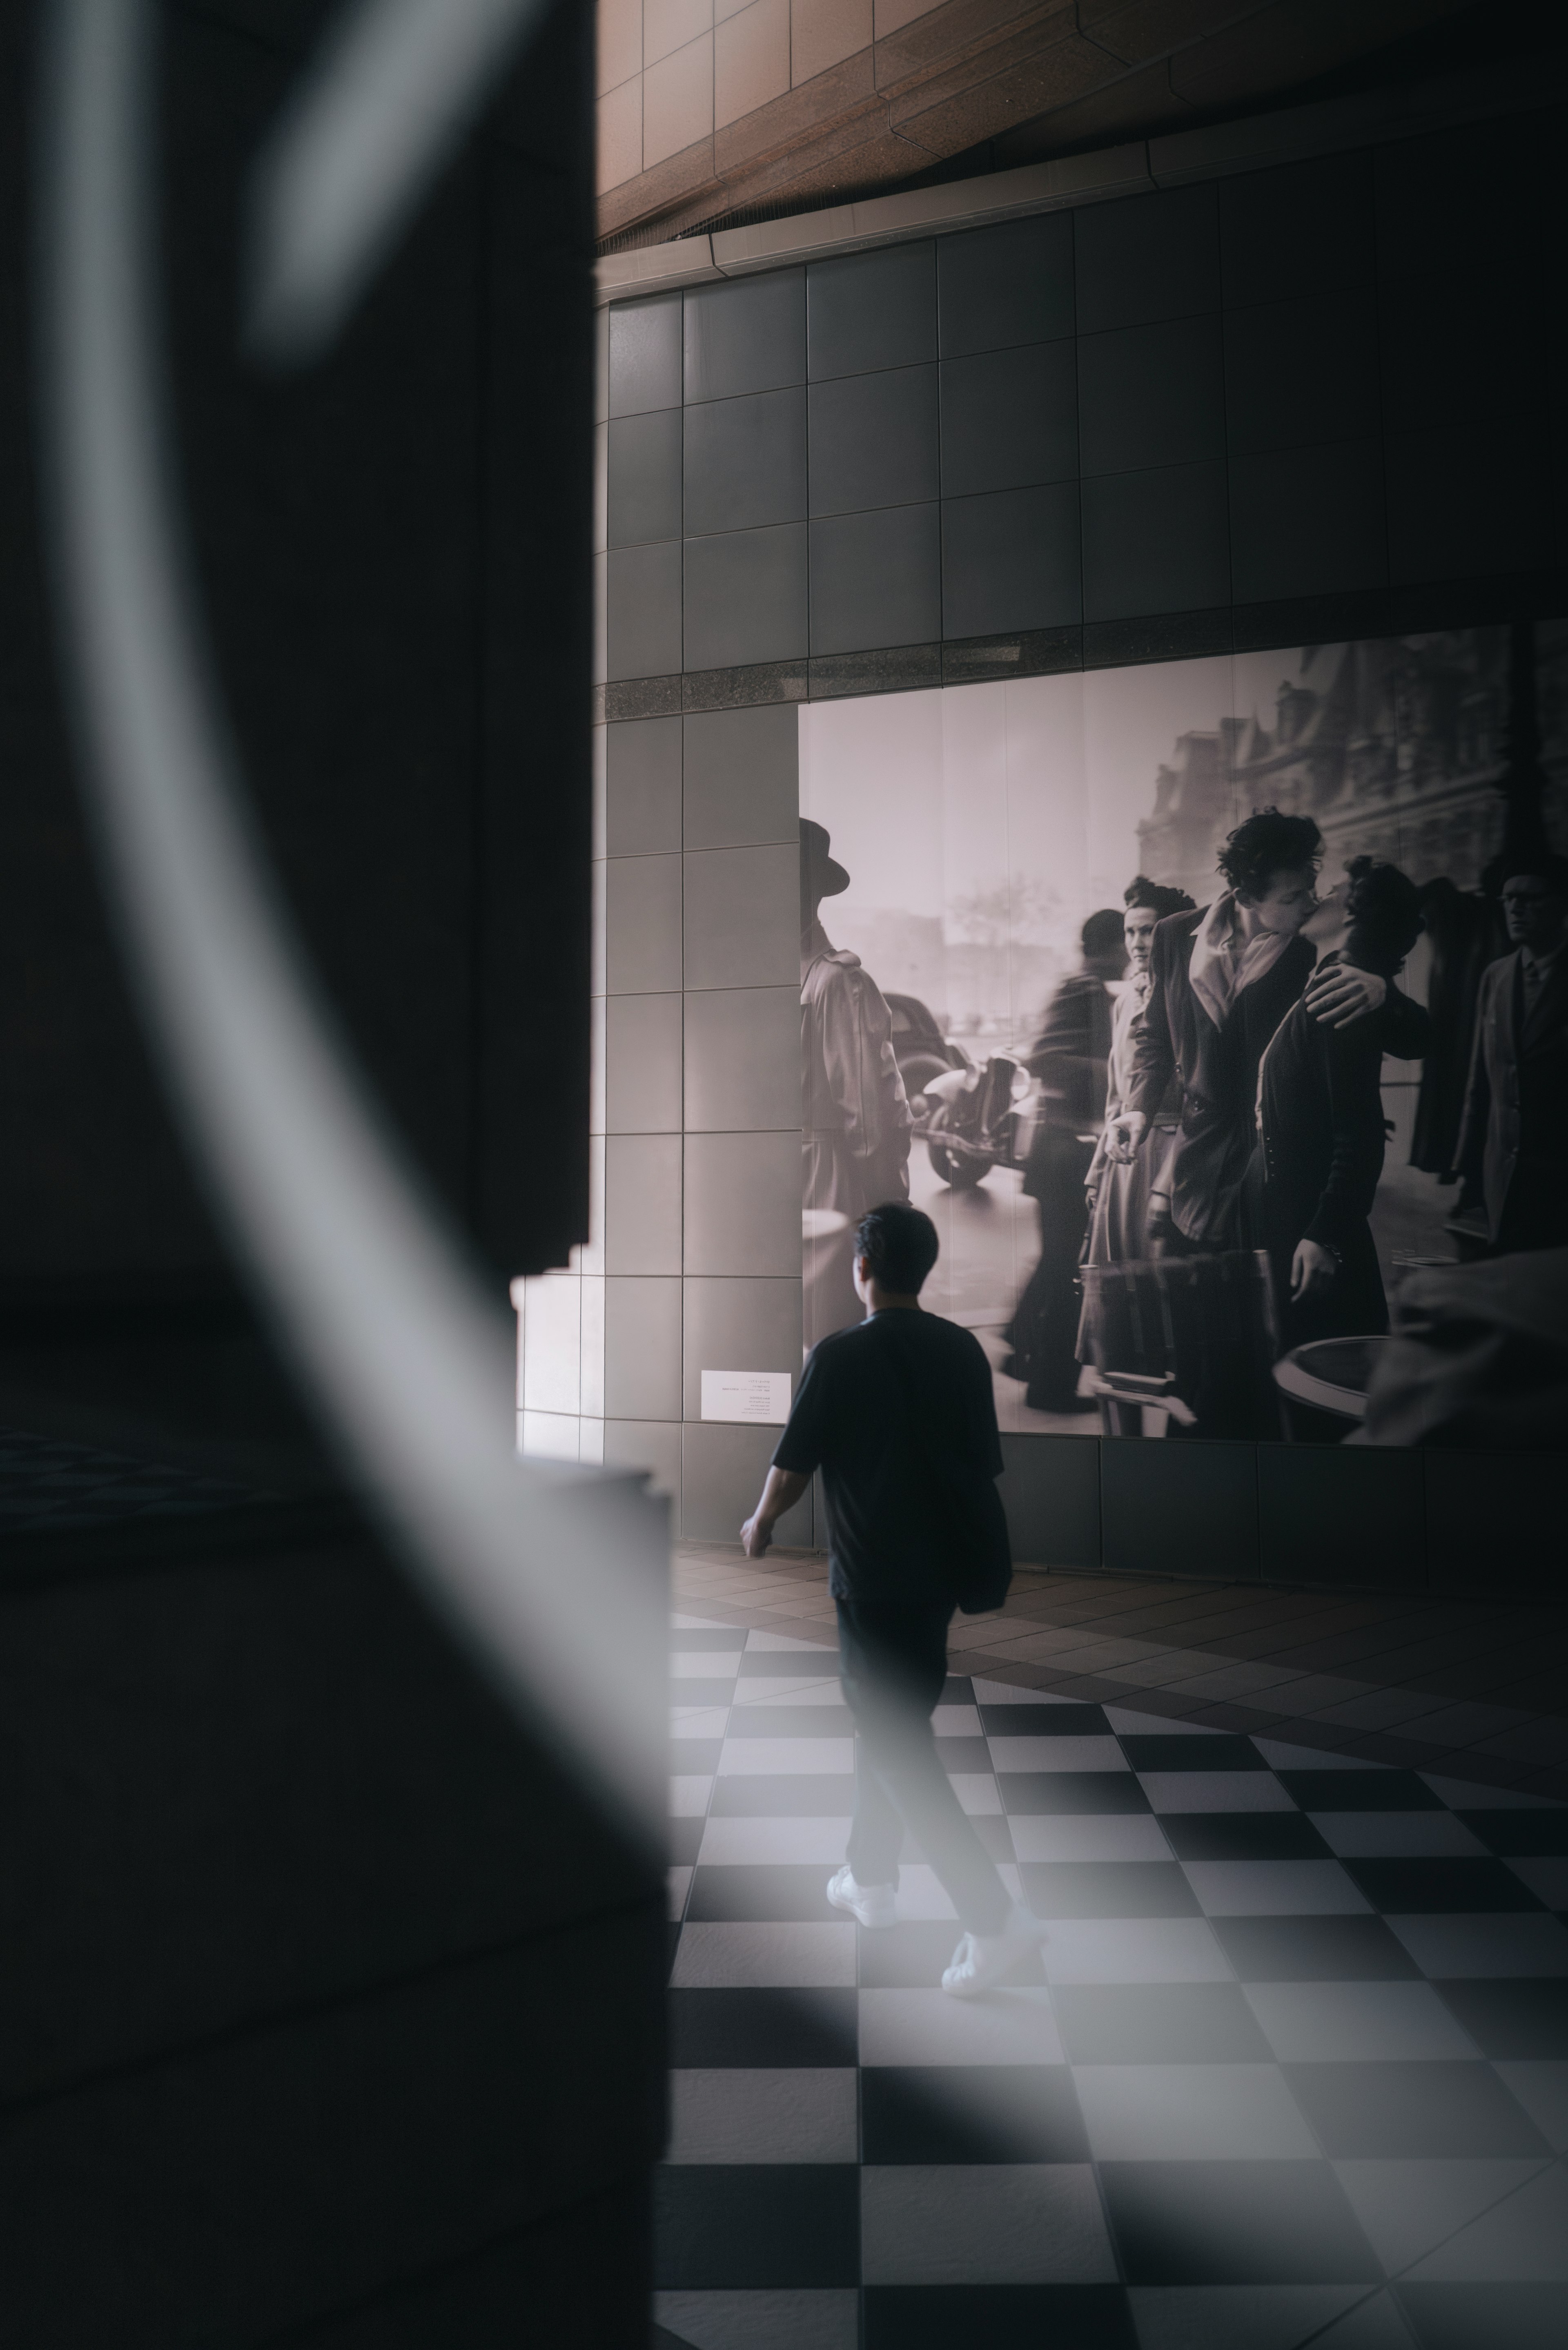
x=1218, y=1013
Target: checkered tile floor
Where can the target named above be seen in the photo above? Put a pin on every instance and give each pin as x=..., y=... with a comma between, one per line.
x=1294, y=2069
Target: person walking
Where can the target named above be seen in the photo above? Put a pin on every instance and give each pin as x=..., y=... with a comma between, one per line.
x=897, y=1413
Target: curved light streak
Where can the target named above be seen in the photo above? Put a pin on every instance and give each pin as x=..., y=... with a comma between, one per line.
x=410, y=1363
x=395, y=87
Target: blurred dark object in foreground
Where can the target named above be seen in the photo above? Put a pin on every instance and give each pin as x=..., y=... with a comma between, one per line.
x=1477, y=1357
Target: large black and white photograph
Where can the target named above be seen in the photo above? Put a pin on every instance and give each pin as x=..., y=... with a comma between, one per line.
x=1211, y=1008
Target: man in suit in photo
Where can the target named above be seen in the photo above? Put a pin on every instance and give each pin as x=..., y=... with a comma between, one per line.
x=1514, y=1137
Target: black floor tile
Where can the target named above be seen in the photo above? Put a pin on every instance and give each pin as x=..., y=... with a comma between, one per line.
x=1235, y=2224
x=1158, y=2023
x=768, y=2028
x=1523, y=2016
x=1359, y=1790
x=1399, y=1888
x=912, y=1957
x=755, y=2225
x=1314, y=1950
x=971, y=2113
x=1487, y=2316
x=1244, y=1835
x=783, y=1796
x=792, y=1722
x=685, y=1836
x=1183, y=1751
x=957, y=1689
x=1520, y=1835
x=1410, y=2112
x=1035, y=1791
x=758, y=1891
x=963, y=1753
x=1106, y=1888
x=999, y=2317
x=1045, y=1721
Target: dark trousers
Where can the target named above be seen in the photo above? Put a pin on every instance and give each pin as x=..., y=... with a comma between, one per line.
x=893, y=1662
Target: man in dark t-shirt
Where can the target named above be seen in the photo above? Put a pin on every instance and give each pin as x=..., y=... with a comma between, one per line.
x=899, y=1415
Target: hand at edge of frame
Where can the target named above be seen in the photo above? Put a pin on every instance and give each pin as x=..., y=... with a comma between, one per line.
x=756, y=1534
x=1342, y=994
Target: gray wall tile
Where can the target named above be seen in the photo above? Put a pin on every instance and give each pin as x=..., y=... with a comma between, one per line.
x=653, y=1445
x=1305, y=522
x=1010, y=283
x=642, y=786
x=747, y=336
x=743, y=1059
x=644, y=487
x=1008, y=419
x=1467, y=501
x=742, y=775
x=745, y=598
x=725, y=1466
x=1299, y=374
x=1151, y=395
x=743, y=1204
x=642, y=1203
x=1324, y=208
x=642, y=1350
x=1011, y=561
x=738, y=1324
x=601, y=488
x=1156, y=542
x=743, y=917
x=870, y=310
x=600, y=755
x=642, y=925
x=745, y=461
x=1185, y=1504
x=642, y=1063
x=1146, y=257
x=873, y=440
x=644, y=611
x=645, y=354
x=876, y=579
x=1050, y=1489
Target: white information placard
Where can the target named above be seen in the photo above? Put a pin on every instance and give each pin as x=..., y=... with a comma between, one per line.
x=746, y=1395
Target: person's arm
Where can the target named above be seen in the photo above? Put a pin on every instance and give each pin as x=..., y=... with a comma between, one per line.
x=1355, y=1158
x=781, y=1490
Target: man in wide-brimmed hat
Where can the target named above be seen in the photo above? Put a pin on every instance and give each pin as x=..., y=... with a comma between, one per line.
x=854, y=1118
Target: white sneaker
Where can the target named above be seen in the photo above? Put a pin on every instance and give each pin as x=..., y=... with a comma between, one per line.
x=872, y=1904
x=981, y=1959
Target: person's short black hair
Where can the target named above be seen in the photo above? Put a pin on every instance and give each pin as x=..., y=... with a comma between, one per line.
x=1383, y=907
x=900, y=1243
x=1157, y=896
x=1102, y=934
x=1268, y=843
x=1549, y=869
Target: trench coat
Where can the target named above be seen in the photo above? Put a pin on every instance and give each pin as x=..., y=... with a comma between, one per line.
x=1515, y=1131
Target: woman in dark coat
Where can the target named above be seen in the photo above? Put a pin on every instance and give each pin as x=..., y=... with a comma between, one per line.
x=1321, y=1131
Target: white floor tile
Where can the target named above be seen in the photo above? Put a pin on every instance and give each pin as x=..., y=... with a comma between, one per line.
x=1214, y=1790
x=761, y=2321
x=988, y=1692
x=919, y=1894
x=956, y=1721
x=1541, y=2086
x=780, y=1691
x=926, y=2027
x=1466, y=1796
x=741, y=1957
x=1523, y=2240
x=704, y=1721
x=678, y=1885
x=748, y=1758
x=1191, y=2113
x=978, y=1793
x=990, y=2223
x=1519, y=1942
x=1133, y=1724
x=1408, y=2209
x=1273, y=1888
x=1357, y=2023
x=1397, y=1835
x=1280, y=1757
x=742, y=2114
x=1056, y=1754
x=774, y=1840
x=689, y=1797
x=1547, y=1877
x=1235, y=2316
x=1134, y=1950
x=1088, y=1836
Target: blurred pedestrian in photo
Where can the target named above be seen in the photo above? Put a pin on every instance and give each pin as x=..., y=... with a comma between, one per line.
x=1514, y=1139
x=898, y=1416
x=1117, y=1191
